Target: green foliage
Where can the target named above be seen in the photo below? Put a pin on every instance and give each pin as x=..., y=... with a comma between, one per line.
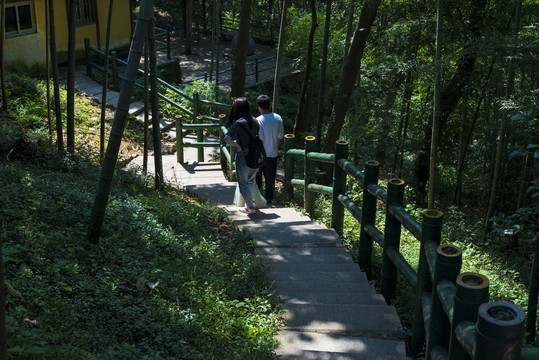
x=170, y=278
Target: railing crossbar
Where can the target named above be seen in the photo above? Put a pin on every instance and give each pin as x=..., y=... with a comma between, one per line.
x=403, y=266
x=354, y=210
x=407, y=220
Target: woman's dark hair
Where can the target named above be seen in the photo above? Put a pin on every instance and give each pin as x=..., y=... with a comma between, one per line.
x=240, y=109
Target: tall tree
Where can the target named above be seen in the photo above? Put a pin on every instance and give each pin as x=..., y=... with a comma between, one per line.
x=280, y=47
x=120, y=118
x=436, y=110
x=453, y=89
x=3, y=334
x=156, y=128
x=105, y=83
x=322, y=90
x=55, y=80
x=47, y=67
x=501, y=137
x=188, y=44
x=2, y=66
x=350, y=72
x=302, y=119
x=239, y=68
x=71, y=43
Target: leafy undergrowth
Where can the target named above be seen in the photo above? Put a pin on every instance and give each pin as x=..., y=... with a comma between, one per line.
x=170, y=277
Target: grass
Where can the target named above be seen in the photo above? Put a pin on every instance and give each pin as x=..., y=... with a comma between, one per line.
x=170, y=277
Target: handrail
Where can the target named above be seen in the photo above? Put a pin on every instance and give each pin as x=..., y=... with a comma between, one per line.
x=448, y=303
x=115, y=76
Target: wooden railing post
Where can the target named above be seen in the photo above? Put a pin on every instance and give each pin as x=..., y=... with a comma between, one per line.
x=115, y=74
x=339, y=186
x=368, y=216
x=198, y=120
x=500, y=330
x=392, y=234
x=471, y=292
x=288, y=189
x=431, y=231
x=310, y=174
x=448, y=262
x=179, y=140
x=88, y=57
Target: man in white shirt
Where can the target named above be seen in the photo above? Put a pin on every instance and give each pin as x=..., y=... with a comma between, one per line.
x=272, y=134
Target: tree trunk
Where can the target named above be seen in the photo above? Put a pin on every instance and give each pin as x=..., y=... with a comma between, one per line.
x=105, y=84
x=47, y=66
x=384, y=142
x=462, y=149
x=120, y=118
x=302, y=124
x=71, y=43
x=403, y=121
x=349, y=74
x=188, y=27
x=238, y=71
x=527, y=170
x=280, y=47
x=436, y=110
x=146, y=108
x=3, y=333
x=322, y=91
x=452, y=92
x=501, y=137
x=156, y=128
x=349, y=27
x=2, y=66
x=55, y=80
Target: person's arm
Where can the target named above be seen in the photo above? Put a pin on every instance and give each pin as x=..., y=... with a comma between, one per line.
x=231, y=142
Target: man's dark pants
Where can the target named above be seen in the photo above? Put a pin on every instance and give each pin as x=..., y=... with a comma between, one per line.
x=268, y=170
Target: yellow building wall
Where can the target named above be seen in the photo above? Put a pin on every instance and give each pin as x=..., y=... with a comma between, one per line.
x=27, y=52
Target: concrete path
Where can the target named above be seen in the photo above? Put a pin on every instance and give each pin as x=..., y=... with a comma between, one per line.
x=332, y=312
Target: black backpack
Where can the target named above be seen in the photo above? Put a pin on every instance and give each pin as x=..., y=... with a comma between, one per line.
x=256, y=156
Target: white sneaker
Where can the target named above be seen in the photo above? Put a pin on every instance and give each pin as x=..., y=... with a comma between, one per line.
x=246, y=210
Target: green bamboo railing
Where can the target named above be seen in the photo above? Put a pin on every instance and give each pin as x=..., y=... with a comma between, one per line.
x=453, y=319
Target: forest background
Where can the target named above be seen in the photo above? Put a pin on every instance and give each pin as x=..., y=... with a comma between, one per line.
x=486, y=174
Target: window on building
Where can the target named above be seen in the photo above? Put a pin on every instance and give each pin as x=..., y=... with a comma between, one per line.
x=85, y=12
x=20, y=18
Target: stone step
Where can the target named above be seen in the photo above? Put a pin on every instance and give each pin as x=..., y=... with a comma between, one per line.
x=302, y=251
x=306, y=259
x=298, y=268
x=307, y=345
x=373, y=321
x=321, y=276
x=335, y=298
x=289, y=288
x=136, y=108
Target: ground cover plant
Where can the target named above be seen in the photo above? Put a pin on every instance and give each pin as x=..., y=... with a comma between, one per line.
x=170, y=277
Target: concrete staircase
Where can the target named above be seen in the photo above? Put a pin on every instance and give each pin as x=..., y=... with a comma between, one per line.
x=332, y=312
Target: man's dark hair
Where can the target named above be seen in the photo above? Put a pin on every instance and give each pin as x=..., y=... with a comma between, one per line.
x=264, y=102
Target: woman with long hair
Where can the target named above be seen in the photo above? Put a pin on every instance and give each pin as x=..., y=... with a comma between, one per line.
x=242, y=127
